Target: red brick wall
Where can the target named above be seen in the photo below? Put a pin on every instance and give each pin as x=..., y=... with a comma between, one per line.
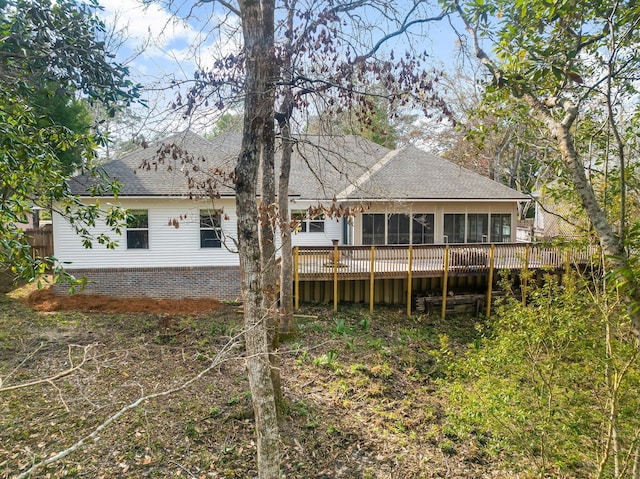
x=221, y=282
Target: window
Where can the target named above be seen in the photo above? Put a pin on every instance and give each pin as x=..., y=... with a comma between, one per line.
x=398, y=229
x=316, y=224
x=300, y=217
x=501, y=228
x=210, y=229
x=454, y=228
x=373, y=229
x=477, y=228
x=306, y=223
x=138, y=229
x=422, y=229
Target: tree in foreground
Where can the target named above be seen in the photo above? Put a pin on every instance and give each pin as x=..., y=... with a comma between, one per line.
x=50, y=52
x=257, y=141
x=570, y=65
x=311, y=60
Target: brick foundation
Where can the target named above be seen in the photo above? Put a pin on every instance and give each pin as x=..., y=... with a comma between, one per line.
x=221, y=282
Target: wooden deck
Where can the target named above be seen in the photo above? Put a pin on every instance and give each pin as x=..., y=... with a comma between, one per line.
x=373, y=266
x=360, y=262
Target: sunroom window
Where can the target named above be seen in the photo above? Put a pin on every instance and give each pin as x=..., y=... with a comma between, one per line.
x=373, y=228
x=422, y=229
x=477, y=228
x=398, y=229
x=501, y=228
x=454, y=228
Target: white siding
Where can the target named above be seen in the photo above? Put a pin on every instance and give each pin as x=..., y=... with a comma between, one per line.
x=171, y=246
x=332, y=229
x=168, y=245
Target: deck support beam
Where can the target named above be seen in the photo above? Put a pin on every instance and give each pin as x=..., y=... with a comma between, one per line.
x=409, y=278
x=372, y=276
x=445, y=280
x=335, y=276
x=296, y=278
x=490, y=280
x=524, y=275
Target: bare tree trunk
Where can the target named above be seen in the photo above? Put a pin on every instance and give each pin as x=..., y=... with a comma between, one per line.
x=258, y=31
x=287, y=326
x=270, y=274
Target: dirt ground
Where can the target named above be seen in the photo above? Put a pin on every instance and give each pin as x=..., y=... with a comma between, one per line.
x=46, y=300
x=363, y=393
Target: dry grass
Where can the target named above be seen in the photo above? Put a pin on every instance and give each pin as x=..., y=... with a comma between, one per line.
x=362, y=392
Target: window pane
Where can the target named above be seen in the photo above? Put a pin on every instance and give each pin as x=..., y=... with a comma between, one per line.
x=477, y=228
x=316, y=226
x=299, y=217
x=422, y=229
x=138, y=229
x=138, y=219
x=137, y=239
x=210, y=234
x=398, y=229
x=210, y=239
x=454, y=228
x=501, y=228
x=209, y=219
x=373, y=229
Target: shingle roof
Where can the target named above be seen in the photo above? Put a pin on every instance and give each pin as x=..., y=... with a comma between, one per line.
x=322, y=167
x=411, y=173
x=164, y=168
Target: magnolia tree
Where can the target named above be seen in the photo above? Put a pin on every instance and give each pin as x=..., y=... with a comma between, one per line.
x=51, y=54
x=572, y=68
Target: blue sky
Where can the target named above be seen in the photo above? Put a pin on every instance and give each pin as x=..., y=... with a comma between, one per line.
x=169, y=53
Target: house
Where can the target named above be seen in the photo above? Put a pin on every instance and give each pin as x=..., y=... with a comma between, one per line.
x=179, y=240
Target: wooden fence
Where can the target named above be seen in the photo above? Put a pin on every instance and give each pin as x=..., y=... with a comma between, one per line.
x=41, y=241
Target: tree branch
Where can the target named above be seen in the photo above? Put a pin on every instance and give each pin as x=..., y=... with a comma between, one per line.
x=403, y=28
x=57, y=376
x=226, y=350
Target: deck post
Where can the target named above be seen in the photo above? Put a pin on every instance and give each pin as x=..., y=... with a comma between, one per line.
x=490, y=280
x=409, y=278
x=567, y=261
x=525, y=274
x=335, y=276
x=372, y=275
x=296, y=280
x=445, y=280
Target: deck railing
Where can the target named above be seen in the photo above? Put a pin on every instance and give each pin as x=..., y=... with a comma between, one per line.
x=340, y=263
x=353, y=262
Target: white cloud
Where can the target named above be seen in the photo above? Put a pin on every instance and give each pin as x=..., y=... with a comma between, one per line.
x=158, y=47
x=141, y=22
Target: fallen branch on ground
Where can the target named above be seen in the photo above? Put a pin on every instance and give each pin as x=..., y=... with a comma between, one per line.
x=55, y=377
x=222, y=355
